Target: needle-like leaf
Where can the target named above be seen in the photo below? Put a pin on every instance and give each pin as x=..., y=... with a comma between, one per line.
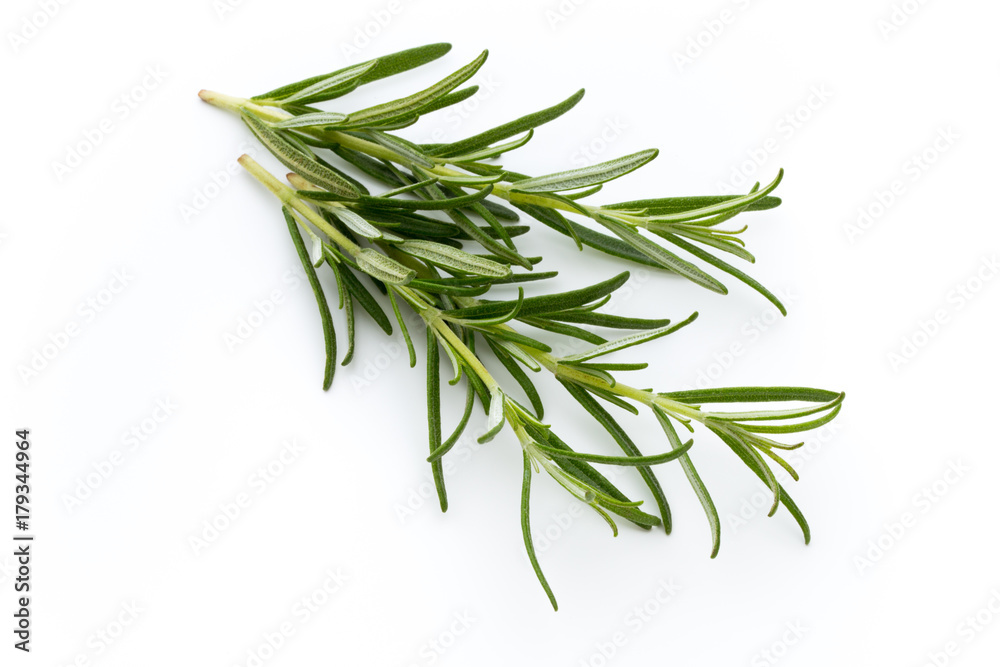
x=299, y=162
x=329, y=336
x=587, y=176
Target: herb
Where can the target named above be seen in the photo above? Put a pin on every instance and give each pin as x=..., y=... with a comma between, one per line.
x=413, y=241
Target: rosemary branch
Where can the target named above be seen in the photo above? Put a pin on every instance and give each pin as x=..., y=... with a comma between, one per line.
x=397, y=239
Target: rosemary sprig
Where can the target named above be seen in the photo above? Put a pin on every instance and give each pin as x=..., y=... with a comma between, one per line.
x=443, y=172
x=453, y=321
x=411, y=241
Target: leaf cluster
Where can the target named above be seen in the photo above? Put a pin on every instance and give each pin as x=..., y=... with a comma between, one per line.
x=438, y=238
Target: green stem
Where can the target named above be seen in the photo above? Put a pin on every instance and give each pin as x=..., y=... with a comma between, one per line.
x=372, y=149
x=430, y=314
x=288, y=197
x=463, y=350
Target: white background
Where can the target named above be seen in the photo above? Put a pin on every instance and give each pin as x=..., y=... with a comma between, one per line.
x=861, y=593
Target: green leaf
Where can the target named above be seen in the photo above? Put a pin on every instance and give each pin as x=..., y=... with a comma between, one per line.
x=466, y=225
x=765, y=475
x=766, y=415
x=348, y=306
x=380, y=68
x=410, y=187
x=682, y=204
x=655, y=459
x=554, y=219
x=494, y=151
x=616, y=367
x=320, y=119
x=694, y=479
x=355, y=222
x=752, y=458
x=596, y=373
x=729, y=205
x=383, y=268
x=367, y=165
x=526, y=530
x=619, y=435
x=519, y=376
x=562, y=329
x=628, y=341
x=581, y=194
x=613, y=399
x=589, y=475
x=452, y=98
x=382, y=113
x=422, y=204
x=329, y=336
x=519, y=354
x=728, y=268
x=303, y=165
x=500, y=211
x=586, y=176
x=606, y=244
x=507, y=130
x=410, y=153
x=752, y=395
x=402, y=327
x=792, y=428
x=434, y=415
x=403, y=61
x=468, y=180
x=319, y=88
x=549, y=303
x=660, y=255
x=711, y=238
x=470, y=401
x=609, y=321
x=496, y=418
x=513, y=337
x=366, y=300
x=453, y=258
